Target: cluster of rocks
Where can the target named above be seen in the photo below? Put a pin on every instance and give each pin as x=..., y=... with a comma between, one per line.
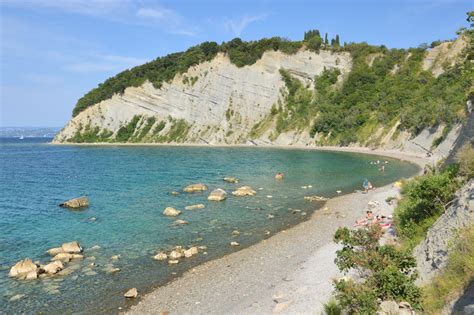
x=28, y=270
x=177, y=253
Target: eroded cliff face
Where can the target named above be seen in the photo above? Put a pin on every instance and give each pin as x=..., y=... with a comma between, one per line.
x=214, y=102
x=217, y=102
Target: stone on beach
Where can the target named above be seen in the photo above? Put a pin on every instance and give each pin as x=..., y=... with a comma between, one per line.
x=160, y=256
x=231, y=179
x=193, y=207
x=23, y=268
x=54, y=267
x=244, y=191
x=71, y=247
x=132, y=293
x=195, y=188
x=76, y=203
x=217, y=195
x=171, y=212
x=191, y=252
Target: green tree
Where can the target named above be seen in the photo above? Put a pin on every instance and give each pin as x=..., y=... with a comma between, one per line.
x=326, y=41
x=336, y=41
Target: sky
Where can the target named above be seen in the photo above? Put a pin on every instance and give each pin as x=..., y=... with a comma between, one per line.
x=54, y=51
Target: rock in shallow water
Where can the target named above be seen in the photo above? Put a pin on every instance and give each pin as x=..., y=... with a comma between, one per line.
x=23, y=268
x=76, y=203
x=72, y=247
x=231, y=179
x=195, y=188
x=54, y=267
x=244, y=191
x=171, y=212
x=132, y=293
x=217, y=195
x=160, y=256
x=193, y=207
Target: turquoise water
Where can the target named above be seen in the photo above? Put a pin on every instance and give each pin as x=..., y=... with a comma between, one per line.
x=128, y=188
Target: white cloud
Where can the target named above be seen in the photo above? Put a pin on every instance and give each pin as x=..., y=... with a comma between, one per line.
x=238, y=25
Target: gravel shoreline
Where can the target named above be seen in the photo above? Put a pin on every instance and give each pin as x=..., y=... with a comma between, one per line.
x=291, y=272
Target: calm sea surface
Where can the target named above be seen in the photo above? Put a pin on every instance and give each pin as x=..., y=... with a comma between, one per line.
x=128, y=188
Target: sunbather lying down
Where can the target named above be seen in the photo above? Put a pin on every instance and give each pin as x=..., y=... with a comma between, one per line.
x=384, y=221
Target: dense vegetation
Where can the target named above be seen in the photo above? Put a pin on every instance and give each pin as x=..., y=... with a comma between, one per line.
x=426, y=197
x=388, y=273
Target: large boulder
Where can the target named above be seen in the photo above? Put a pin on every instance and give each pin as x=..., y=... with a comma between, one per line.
x=53, y=267
x=193, y=207
x=231, y=179
x=76, y=203
x=244, y=191
x=171, y=212
x=71, y=247
x=23, y=268
x=217, y=195
x=195, y=188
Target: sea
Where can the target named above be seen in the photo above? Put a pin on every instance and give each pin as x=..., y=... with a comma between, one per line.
x=128, y=188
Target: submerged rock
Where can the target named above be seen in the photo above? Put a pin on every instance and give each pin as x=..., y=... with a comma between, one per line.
x=231, y=179
x=76, y=203
x=234, y=244
x=217, y=195
x=279, y=176
x=132, y=293
x=195, y=188
x=173, y=261
x=23, y=268
x=180, y=222
x=244, y=191
x=17, y=297
x=193, y=207
x=171, y=212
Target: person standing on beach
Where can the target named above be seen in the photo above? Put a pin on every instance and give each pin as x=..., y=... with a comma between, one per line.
x=365, y=184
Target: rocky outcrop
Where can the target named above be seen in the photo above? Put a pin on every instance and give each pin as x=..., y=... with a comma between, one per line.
x=76, y=203
x=432, y=254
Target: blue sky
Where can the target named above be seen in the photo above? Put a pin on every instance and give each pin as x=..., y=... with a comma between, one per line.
x=54, y=51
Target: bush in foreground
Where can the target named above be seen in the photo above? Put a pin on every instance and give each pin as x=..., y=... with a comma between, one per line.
x=387, y=272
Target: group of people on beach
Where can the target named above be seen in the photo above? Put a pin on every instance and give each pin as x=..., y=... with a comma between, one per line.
x=385, y=222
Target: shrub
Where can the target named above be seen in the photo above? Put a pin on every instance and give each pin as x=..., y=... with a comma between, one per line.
x=388, y=273
x=424, y=200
